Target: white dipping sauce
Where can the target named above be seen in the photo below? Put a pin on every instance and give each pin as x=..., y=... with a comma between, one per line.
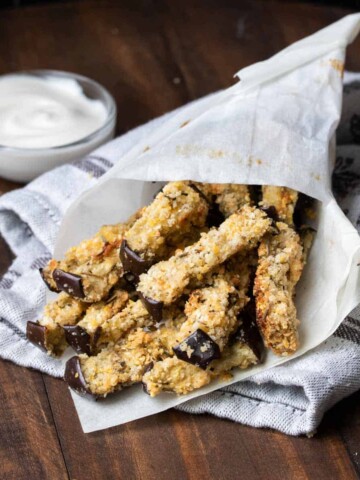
x=46, y=112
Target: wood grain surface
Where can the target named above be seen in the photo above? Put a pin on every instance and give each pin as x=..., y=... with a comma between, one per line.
x=155, y=56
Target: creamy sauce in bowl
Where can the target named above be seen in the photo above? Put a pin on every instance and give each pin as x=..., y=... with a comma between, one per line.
x=45, y=112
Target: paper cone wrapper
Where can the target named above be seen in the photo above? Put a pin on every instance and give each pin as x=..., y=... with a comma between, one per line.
x=276, y=126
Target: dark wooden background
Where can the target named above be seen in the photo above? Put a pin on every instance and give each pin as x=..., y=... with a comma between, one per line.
x=154, y=56
x=21, y=3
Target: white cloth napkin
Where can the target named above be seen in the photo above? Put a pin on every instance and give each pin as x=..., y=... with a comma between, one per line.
x=291, y=398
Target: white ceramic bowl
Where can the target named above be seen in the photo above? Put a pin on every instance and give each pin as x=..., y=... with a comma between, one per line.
x=24, y=164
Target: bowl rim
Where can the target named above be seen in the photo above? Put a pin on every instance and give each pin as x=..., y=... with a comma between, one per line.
x=110, y=107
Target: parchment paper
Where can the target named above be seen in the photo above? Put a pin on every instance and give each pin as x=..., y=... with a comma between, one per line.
x=276, y=126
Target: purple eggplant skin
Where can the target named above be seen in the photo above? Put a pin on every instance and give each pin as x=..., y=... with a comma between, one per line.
x=69, y=283
x=154, y=307
x=248, y=331
x=36, y=334
x=79, y=339
x=75, y=379
x=271, y=212
x=199, y=356
x=132, y=262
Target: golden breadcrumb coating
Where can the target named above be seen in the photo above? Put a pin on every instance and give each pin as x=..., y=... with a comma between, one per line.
x=95, y=260
x=174, y=214
x=166, y=280
x=99, y=313
x=238, y=355
x=283, y=199
x=65, y=310
x=118, y=365
x=214, y=308
x=229, y=196
x=124, y=363
x=279, y=269
x=174, y=375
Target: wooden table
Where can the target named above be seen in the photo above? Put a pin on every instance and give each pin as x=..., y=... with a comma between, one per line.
x=154, y=56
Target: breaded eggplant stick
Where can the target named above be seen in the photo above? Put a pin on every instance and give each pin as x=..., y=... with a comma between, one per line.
x=238, y=355
x=212, y=316
x=174, y=214
x=85, y=335
x=48, y=333
x=122, y=364
x=119, y=365
x=93, y=267
x=101, y=326
x=166, y=280
x=279, y=269
x=134, y=315
x=174, y=375
x=214, y=309
x=230, y=197
x=245, y=346
x=283, y=199
x=114, y=367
